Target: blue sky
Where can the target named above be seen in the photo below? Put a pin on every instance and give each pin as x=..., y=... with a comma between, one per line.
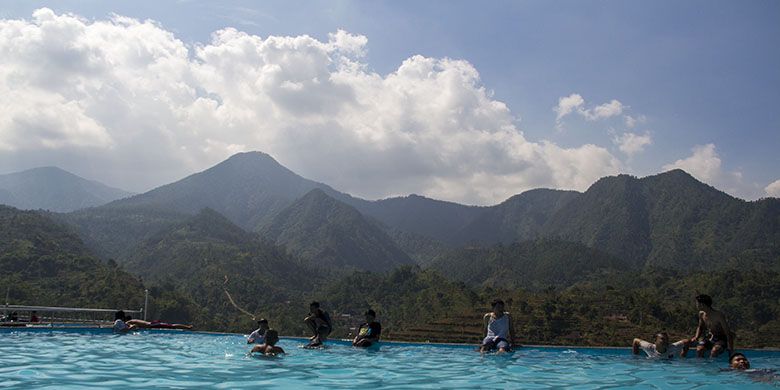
x=695, y=74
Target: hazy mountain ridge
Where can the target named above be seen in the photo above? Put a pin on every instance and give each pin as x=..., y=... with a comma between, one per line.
x=332, y=234
x=54, y=189
x=665, y=220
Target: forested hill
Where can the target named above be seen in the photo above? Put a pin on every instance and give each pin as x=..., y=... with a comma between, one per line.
x=54, y=189
x=44, y=263
x=332, y=234
x=667, y=220
x=248, y=188
x=531, y=265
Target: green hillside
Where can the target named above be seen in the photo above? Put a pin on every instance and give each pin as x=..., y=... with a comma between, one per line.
x=330, y=234
x=532, y=265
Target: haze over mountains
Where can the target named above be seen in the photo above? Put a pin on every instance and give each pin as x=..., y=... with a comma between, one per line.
x=51, y=188
x=666, y=220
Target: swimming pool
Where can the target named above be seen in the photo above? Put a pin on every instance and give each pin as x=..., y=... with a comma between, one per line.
x=46, y=358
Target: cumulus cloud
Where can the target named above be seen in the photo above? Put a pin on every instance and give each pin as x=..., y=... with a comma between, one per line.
x=128, y=103
x=705, y=164
x=773, y=189
x=574, y=103
x=631, y=143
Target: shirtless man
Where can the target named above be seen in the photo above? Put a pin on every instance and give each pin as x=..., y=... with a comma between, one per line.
x=720, y=337
x=499, y=331
x=269, y=347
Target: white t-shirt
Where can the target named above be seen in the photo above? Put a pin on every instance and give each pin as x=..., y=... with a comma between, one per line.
x=671, y=351
x=120, y=326
x=259, y=338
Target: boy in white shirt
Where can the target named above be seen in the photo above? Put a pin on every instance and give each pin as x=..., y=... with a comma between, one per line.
x=661, y=348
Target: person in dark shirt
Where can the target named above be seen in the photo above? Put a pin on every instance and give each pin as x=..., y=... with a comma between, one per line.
x=34, y=317
x=369, y=331
x=319, y=323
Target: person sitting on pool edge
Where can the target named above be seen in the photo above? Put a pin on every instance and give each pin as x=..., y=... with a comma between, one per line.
x=661, y=347
x=269, y=347
x=720, y=338
x=368, y=332
x=499, y=331
x=319, y=323
x=258, y=336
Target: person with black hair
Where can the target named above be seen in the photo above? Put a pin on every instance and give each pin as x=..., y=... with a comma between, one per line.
x=120, y=324
x=368, y=332
x=319, y=323
x=720, y=337
x=739, y=361
x=258, y=336
x=499, y=331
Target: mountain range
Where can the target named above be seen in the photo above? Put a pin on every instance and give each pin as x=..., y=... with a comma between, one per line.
x=667, y=220
x=275, y=240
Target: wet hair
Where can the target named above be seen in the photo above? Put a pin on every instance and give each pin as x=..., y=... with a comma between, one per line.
x=315, y=304
x=496, y=302
x=704, y=299
x=662, y=334
x=734, y=355
x=262, y=321
x=371, y=313
x=119, y=315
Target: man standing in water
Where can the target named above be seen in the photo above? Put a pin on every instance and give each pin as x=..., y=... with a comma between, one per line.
x=720, y=337
x=319, y=323
x=499, y=331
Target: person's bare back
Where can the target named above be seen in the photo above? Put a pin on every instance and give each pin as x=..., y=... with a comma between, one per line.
x=714, y=322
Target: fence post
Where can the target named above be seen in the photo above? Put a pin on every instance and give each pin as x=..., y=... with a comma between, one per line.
x=146, y=302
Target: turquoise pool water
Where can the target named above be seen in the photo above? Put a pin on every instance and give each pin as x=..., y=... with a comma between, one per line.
x=57, y=359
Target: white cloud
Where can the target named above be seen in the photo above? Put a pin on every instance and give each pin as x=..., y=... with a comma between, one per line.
x=574, y=103
x=568, y=104
x=705, y=165
x=631, y=143
x=130, y=104
x=606, y=110
x=773, y=189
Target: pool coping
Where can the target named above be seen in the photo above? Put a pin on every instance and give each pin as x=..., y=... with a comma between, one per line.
x=767, y=349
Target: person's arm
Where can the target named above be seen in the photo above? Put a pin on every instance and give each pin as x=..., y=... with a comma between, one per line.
x=485, y=320
x=684, y=345
x=635, y=346
x=699, y=329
